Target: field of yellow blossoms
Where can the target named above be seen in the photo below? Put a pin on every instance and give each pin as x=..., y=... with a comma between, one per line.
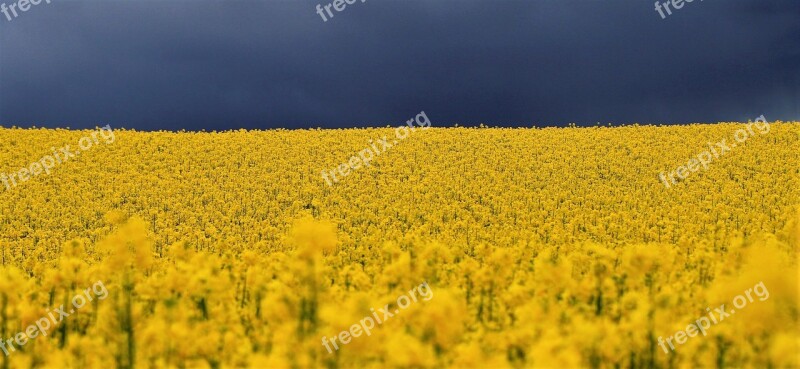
x=542, y=248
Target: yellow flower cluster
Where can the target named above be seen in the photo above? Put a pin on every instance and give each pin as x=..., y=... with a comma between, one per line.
x=546, y=248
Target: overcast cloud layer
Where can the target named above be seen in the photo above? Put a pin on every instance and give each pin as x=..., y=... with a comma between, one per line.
x=262, y=64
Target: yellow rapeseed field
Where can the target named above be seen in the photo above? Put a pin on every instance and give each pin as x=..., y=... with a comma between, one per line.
x=541, y=248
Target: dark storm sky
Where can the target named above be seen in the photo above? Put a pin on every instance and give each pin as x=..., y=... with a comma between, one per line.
x=261, y=64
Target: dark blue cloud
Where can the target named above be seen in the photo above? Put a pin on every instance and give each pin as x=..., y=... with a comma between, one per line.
x=261, y=64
